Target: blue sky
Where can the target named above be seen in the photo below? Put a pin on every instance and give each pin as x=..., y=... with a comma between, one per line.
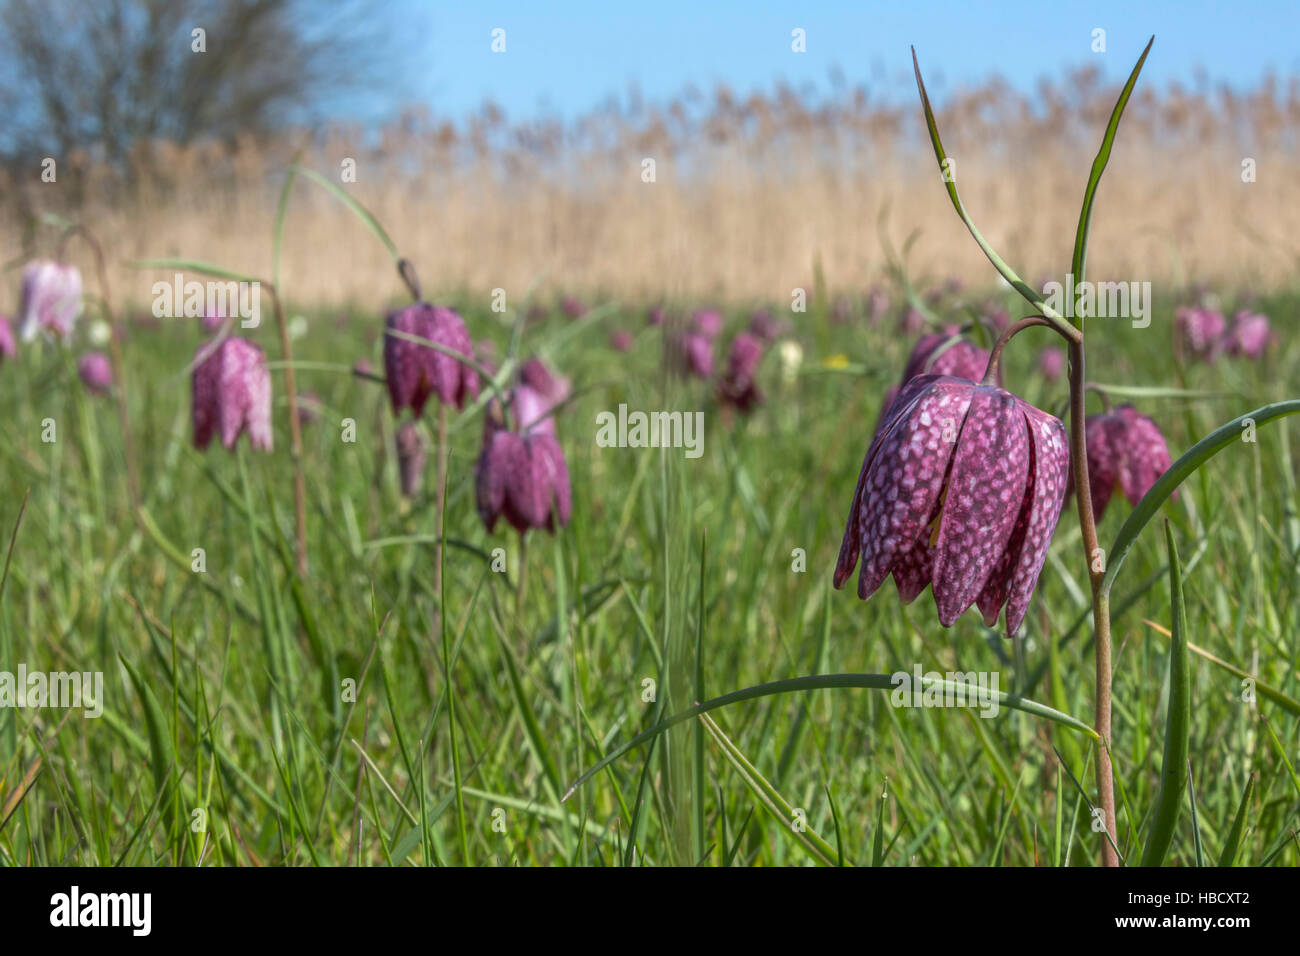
x=564, y=57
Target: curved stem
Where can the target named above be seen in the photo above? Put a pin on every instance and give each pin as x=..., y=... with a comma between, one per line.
x=1100, y=597
x=1014, y=329
x=407, y=271
x=1102, y=394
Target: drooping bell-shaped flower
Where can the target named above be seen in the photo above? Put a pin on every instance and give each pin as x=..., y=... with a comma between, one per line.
x=938, y=353
x=1201, y=330
x=411, y=458
x=415, y=371
x=96, y=372
x=573, y=307
x=1125, y=449
x=695, y=354
x=961, y=490
x=707, y=322
x=549, y=384
x=521, y=476
x=51, y=299
x=655, y=315
x=231, y=393
x=1248, y=336
x=765, y=327
x=738, y=386
x=620, y=340
x=8, y=347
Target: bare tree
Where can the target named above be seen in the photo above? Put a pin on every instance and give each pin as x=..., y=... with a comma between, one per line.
x=102, y=75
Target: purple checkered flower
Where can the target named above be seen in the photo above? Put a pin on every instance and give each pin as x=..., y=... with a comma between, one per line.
x=1249, y=335
x=415, y=371
x=961, y=491
x=932, y=355
x=1201, y=330
x=231, y=390
x=8, y=348
x=694, y=354
x=766, y=327
x=738, y=387
x=1125, y=449
x=96, y=372
x=620, y=340
x=521, y=476
x=546, y=382
x=573, y=307
x=655, y=315
x=51, y=299
x=706, y=323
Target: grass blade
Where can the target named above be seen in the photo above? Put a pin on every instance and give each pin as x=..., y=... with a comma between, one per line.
x=1173, y=773
x=1230, y=845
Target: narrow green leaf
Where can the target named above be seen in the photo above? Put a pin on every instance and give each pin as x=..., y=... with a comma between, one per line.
x=1173, y=771
x=1079, y=261
x=1230, y=845
x=1178, y=472
x=792, y=685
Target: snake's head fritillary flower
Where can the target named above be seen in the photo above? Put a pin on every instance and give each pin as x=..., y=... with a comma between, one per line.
x=1051, y=364
x=231, y=390
x=531, y=411
x=706, y=323
x=1126, y=449
x=546, y=382
x=96, y=372
x=938, y=353
x=877, y=305
x=1249, y=335
x=411, y=458
x=655, y=315
x=998, y=317
x=522, y=477
x=910, y=321
x=738, y=387
x=1201, y=330
x=573, y=307
x=620, y=340
x=695, y=354
x=51, y=299
x=8, y=347
x=961, y=491
x=415, y=371
x=212, y=321
x=766, y=327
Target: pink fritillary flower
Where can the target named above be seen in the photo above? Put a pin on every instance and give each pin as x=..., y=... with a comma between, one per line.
x=910, y=321
x=1249, y=335
x=655, y=316
x=738, y=387
x=697, y=354
x=877, y=305
x=51, y=299
x=531, y=411
x=1125, y=449
x=765, y=327
x=231, y=390
x=212, y=322
x=1051, y=364
x=546, y=382
x=933, y=355
x=521, y=476
x=620, y=340
x=8, y=348
x=707, y=323
x=416, y=371
x=1200, y=330
x=96, y=372
x=960, y=491
x=573, y=307
x=411, y=458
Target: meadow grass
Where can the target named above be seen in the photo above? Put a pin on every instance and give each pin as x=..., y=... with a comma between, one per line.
x=225, y=696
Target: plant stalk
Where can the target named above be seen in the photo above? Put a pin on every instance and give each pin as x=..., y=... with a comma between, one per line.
x=1100, y=596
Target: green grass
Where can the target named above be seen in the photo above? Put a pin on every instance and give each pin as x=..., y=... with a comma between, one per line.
x=225, y=694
